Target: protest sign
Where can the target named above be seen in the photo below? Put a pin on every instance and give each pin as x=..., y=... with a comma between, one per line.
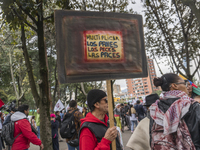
x=59, y=106
x=94, y=46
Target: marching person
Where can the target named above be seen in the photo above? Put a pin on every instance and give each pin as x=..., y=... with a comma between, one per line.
x=38, y=122
x=176, y=115
x=127, y=117
x=54, y=130
x=77, y=120
x=133, y=117
x=117, y=115
x=33, y=122
x=95, y=133
x=140, y=110
x=58, y=118
x=23, y=131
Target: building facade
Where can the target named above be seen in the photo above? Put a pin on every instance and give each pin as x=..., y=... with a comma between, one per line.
x=140, y=87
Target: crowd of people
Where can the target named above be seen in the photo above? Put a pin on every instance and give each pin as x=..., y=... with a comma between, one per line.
x=168, y=122
x=129, y=115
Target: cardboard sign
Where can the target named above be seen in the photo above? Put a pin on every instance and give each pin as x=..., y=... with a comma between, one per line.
x=103, y=46
x=94, y=46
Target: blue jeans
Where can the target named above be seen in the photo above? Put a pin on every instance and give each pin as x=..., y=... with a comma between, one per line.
x=72, y=148
x=132, y=124
x=38, y=128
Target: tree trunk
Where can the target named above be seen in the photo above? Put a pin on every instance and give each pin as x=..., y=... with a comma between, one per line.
x=29, y=67
x=12, y=75
x=44, y=103
x=55, y=89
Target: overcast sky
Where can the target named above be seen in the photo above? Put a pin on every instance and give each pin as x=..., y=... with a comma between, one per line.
x=139, y=9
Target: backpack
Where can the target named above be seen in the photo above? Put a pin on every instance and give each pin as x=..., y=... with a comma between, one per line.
x=68, y=128
x=179, y=140
x=8, y=133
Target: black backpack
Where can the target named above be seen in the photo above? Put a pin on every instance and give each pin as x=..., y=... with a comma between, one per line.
x=68, y=128
x=8, y=133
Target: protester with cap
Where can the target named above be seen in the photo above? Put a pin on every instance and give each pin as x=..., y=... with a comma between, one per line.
x=140, y=137
x=94, y=132
x=54, y=130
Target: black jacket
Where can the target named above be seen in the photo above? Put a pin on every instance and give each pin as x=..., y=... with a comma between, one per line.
x=126, y=108
x=192, y=119
x=140, y=109
x=54, y=128
x=122, y=111
x=58, y=118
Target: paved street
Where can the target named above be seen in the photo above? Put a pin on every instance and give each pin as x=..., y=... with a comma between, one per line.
x=63, y=146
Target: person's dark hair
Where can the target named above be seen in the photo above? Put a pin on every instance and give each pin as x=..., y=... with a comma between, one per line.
x=138, y=102
x=72, y=103
x=56, y=112
x=33, y=117
x=166, y=80
x=22, y=108
x=129, y=111
x=122, y=104
x=92, y=108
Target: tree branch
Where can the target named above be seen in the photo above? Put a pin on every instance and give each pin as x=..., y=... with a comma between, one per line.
x=157, y=64
x=189, y=22
x=49, y=17
x=193, y=7
x=2, y=23
x=196, y=68
x=29, y=67
x=25, y=21
x=167, y=37
x=83, y=89
x=27, y=13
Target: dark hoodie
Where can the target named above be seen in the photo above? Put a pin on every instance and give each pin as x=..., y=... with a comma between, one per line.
x=87, y=140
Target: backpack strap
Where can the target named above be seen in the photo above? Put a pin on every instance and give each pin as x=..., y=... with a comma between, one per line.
x=99, y=131
x=69, y=113
x=99, y=134
x=17, y=135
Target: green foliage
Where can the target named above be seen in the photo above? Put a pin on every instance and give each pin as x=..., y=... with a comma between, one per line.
x=11, y=98
x=3, y=96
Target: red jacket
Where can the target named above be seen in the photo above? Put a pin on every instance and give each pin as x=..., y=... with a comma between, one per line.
x=23, y=126
x=87, y=140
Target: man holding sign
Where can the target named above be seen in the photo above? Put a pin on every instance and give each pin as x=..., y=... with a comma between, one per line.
x=94, y=132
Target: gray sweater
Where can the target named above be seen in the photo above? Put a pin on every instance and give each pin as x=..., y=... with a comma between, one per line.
x=117, y=111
